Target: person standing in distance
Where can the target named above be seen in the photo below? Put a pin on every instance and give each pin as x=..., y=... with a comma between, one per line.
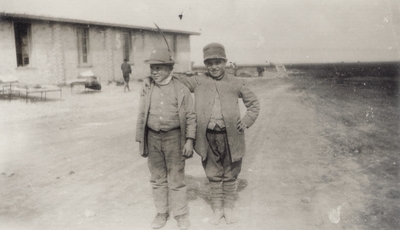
x=126, y=70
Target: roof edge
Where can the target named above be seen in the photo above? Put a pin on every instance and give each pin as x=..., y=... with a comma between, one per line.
x=78, y=21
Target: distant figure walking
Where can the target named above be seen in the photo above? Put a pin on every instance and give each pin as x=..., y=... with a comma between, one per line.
x=260, y=70
x=234, y=67
x=126, y=70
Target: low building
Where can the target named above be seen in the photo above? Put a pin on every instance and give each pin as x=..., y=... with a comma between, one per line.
x=247, y=70
x=254, y=69
x=50, y=50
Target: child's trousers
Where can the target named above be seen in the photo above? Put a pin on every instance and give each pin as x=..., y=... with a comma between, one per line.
x=167, y=168
x=221, y=171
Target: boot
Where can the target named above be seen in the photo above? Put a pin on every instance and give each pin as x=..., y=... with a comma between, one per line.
x=183, y=221
x=217, y=202
x=230, y=196
x=160, y=220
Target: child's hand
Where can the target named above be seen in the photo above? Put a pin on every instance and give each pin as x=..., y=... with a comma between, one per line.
x=146, y=85
x=241, y=126
x=146, y=82
x=188, y=148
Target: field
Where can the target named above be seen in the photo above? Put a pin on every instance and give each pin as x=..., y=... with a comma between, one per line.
x=359, y=116
x=323, y=154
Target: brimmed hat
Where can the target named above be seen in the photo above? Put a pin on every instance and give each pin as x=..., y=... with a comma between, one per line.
x=160, y=56
x=214, y=50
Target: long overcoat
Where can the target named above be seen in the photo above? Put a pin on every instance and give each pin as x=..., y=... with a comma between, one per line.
x=230, y=90
x=187, y=116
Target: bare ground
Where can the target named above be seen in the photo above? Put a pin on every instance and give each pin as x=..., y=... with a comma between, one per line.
x=321, y=155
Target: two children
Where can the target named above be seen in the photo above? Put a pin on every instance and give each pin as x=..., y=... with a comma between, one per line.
x=220, y=139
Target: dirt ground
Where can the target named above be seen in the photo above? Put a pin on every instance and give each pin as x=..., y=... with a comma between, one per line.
x=322, y=155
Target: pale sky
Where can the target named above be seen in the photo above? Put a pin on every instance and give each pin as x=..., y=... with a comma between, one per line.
x=254, y=31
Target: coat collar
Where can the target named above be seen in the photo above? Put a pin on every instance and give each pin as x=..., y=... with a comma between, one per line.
x=178, y=91
x=225, y=77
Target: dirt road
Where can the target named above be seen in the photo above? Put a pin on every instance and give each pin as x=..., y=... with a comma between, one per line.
x=74, y=164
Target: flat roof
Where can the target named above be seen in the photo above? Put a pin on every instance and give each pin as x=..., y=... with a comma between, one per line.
x=90, y=22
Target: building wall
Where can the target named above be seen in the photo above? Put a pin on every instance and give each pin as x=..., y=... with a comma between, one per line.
x=54, y=52
x=8, y=60
x=183, y=55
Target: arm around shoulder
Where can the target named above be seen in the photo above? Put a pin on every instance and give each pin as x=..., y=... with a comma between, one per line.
x=189, y=82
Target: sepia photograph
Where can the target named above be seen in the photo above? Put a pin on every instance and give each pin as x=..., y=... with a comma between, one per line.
x=187, y=114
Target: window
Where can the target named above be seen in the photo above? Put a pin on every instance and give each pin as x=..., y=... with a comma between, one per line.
x=22, y=43
x=127, y=45
x=83, y=45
